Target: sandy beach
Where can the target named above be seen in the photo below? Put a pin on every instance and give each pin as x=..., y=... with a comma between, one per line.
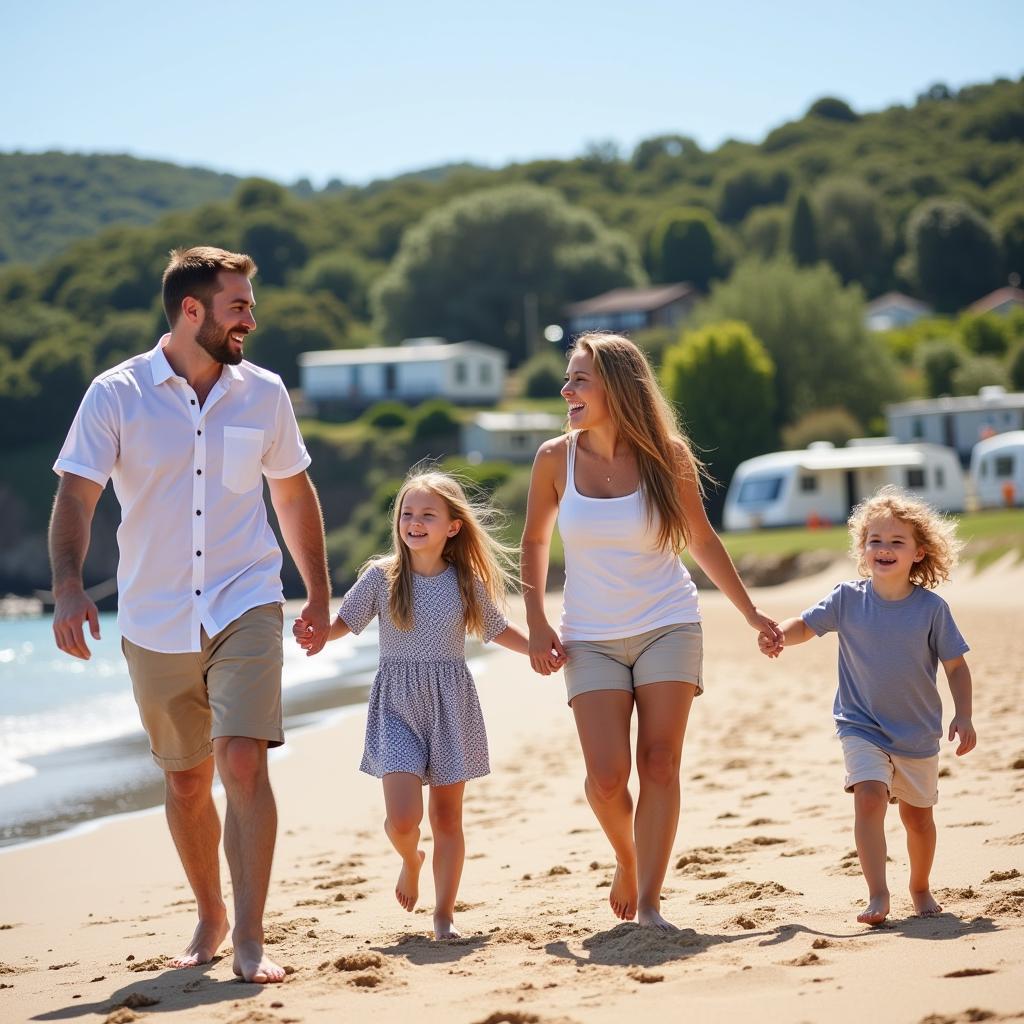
x=764, y=883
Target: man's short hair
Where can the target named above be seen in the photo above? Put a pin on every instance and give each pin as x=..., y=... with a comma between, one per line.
x=194, y=272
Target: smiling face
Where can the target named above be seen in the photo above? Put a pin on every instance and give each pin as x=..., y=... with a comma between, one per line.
x=424, y=522
x=890, y=549
x=227, y=319
x=584, y=392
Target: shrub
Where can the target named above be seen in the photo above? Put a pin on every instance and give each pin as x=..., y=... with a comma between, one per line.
x=836, y=425
x=386, y=415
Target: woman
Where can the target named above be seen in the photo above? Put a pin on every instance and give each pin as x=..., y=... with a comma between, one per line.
x=627, y=493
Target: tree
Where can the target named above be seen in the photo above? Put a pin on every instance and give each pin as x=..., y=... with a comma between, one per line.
x=803, y=233
x=835, y=425
x=1009, y=225
x=938, y=360
x=687, y=245
x=662, y=147
x=721, y=378
x=954, y=255
x=851, y=232
x=344, y=275
x=542, y=375
x=977, y=372
x=985, y=335
x=276, y=245
x=832, y=109
x=813, y=328
x=465, y=271
x=765, y=231
x=748, y=187
x=1015, y=367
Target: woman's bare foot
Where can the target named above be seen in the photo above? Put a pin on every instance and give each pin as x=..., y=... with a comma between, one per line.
x=206, y=940
x=623, y=895
x=407, y=890
x=876, y=911
x=650, y=917
x=251, y=964
x=444, y=927
x=925, y=904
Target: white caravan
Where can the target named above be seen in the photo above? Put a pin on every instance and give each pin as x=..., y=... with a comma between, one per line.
x=822, y=483
x=997, y=470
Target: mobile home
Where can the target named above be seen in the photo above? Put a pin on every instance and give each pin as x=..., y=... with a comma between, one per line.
x=822, y=483
x=997, y=470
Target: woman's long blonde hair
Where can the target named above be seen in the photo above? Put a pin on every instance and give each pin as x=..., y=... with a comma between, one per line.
x=641, y=415
x=479, y=558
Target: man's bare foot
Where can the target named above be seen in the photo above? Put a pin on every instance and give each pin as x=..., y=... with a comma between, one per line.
x=206, y=940
x=444, y=928
x=623, y=895
x=251, y=964
x=876, y=911
x=407, y=891
x=649, y=917
x=925, y=904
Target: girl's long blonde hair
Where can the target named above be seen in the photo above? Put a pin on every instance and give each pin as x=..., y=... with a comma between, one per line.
x=642, y=416
x=932, y=531
x=479, y=558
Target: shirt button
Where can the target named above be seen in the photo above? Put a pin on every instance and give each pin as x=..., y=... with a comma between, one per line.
x=199, y=433
x=198, y=592
x=198, y=553
x=199, y=472
x=192, y=400
x=199, y=512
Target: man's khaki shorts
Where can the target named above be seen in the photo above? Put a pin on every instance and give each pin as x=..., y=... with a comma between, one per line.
x=232, y=687
x=914, y=780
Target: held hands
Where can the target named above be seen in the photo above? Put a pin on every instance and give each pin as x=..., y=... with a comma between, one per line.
x=312, y=627
x=71, y=611
x=770, y=640
x=547, y=654
x=961, y=726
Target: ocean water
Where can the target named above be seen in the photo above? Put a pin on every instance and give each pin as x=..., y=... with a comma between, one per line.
x=71, y=746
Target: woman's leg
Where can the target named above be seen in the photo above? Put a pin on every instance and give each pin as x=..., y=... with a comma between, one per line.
x=403, y=801
x=602, y=721
x=449, y=854
x=662, y=711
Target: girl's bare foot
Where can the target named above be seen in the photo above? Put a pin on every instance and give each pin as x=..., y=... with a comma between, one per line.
x=925, y=904
x=407, y=891
x=649, y=917
x=206, y=940
x=876, y=911
x=444, y=928
x=623, y=895
x=250, y=964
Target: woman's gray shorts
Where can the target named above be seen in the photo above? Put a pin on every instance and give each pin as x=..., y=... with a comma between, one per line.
x=668, y=653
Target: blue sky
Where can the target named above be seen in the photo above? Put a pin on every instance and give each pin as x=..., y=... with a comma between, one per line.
x=358, y=90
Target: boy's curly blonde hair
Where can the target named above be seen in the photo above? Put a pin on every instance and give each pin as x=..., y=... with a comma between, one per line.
x=933, y=531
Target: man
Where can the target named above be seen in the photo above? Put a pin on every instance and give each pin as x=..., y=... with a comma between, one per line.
x=186, y=431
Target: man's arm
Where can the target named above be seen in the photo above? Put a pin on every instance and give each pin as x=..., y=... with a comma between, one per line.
x=302, y=526
x=70, y=526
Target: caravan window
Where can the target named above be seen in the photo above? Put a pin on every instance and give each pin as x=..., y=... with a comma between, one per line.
x=759, y=490
x=940, y=477
x=915, y=477
x=808, y=484
x=1004, y=465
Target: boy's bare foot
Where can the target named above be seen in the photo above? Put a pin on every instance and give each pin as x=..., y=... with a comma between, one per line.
x=623, y=894
x=407, y=891
x=444, y=928
x=206, y=940
x=650, y=917
x=925, y=904
x=251, y=964
x=876, y=911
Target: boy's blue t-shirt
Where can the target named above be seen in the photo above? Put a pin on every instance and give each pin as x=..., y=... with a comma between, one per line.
x=888, y=657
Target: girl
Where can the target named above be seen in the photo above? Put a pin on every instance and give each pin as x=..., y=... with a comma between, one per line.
x=445, y=576
x=893, y=632
x=626, y=491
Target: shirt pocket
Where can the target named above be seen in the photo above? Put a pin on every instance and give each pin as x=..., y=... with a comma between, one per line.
x=243, y=458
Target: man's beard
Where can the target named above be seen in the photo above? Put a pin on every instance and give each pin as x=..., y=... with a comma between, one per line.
x=212, y=336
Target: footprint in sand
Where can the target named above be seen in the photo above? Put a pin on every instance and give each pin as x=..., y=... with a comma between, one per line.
x=742, y=892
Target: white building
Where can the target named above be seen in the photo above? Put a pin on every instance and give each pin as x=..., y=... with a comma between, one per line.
x=822, y=483
x=464, y=372
x=893, y=309
x=511, y=436
x=997, y=470
x=958, y=422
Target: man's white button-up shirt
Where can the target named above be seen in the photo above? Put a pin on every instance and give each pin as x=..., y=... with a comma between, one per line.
x=196, y=549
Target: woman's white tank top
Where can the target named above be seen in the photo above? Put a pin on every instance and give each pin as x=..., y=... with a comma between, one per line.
x=619, y=581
